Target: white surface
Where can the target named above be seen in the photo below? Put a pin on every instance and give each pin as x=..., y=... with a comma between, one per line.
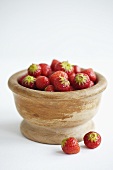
x=38, y=31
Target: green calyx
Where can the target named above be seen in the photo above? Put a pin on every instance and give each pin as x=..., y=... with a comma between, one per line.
x=63, y=142
x=93, y=137
x=64, y=81
x=33, y=68
x=66, y=66
x=29, y=79
x=80, y=78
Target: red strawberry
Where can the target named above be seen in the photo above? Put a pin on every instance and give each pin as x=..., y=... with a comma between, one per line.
x=53, y=64
x=21, y=78
x=50, y=88
x=71, y=78
x=34, y=70
x=81, y=81
x=77, y=69
x=71, y=88
x=42, y=82
x=29, y=82
x=90, y=73
x=56, y=74
x=70, y=146
x=91, y=83
x=65, y=66
x=92, y=139
x=61, y=84
x=45, y=69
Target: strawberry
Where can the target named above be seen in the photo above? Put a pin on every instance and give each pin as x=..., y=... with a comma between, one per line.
x=81, y=81
x=71, y=78
x=70, y=146
x=29, y=82
x=90, y=73
x=77, y=69
x=50, y=88
x=53, y=64
x=34, y=70
x=92, y=139
x=65, y=66
x=91, y=83
x=71, y=88
x=61, y=84
x=57, y=74
x=42, y=82
x=21, y=78
x=45, y=69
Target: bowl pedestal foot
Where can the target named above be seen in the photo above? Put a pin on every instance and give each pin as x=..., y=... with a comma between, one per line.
x=54, y=135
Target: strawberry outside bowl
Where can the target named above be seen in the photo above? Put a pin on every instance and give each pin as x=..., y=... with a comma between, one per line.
x=49, y=117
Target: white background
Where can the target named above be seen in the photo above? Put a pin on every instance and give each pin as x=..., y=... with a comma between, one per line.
x=38, y=31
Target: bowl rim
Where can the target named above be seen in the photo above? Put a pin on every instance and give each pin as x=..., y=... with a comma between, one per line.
x=16, y=88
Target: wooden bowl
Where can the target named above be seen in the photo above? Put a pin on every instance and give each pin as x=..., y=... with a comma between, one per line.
x=49, y=117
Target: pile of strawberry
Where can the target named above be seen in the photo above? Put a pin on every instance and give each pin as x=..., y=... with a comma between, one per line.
x=58, y=77
x=91, y=140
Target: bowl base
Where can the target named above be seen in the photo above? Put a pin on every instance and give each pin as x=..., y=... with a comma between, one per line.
x=50, y=135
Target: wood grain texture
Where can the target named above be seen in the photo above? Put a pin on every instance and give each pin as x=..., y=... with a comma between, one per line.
x=66, y=112
x=48, y=135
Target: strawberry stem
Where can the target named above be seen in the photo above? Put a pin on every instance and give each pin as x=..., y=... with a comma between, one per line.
x=93, y=137
x=66, y=66
x=63, y=142
x=29, y=79
x=80, y=78
x=64, y=81
x=33, y=68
